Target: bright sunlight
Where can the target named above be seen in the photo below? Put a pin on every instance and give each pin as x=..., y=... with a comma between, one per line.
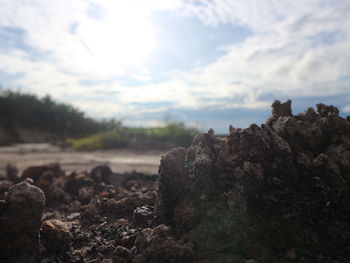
x=122, y=38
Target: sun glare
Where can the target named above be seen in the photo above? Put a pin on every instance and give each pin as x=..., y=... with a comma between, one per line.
x=123, y=38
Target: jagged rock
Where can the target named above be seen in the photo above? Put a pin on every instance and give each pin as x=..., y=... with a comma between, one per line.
x=123, y=208
x=101, y=173
x=55, y=235
x=52, y=185
x=84, y=186
x=77, y=181
x=157, y=245
x=278, y=192
x=327, y=111
x=263, y=190
x=143, y=216
x=21, y=219
x=282, y=109
x=35, y=172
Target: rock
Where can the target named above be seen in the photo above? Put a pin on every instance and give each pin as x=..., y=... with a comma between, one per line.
x=156, y=245
x=73, y=216
x=282, y=109
x=143, y=216
x=101, y=174
x=21, y=219
x=327, y=111
x=56, y=235
x=52, y=184
x=278, y=192
x=85, y=194
x=282, y=184
x=35, y=172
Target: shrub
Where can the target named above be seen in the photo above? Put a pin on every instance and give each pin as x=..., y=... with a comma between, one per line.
x=173, y=134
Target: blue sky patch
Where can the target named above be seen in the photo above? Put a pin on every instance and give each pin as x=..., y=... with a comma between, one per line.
x=13, y=38
x=185, y=42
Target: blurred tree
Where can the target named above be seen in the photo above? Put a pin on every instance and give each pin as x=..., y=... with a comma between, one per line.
x=19, y=110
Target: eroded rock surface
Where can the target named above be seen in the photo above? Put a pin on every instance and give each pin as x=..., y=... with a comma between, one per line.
x=20, y=219
x=271, y=193
x=278, y=192
x=55, y=235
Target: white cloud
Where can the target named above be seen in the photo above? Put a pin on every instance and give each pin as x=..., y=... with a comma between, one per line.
x=298, y=48
x=284, y=60
x=99, y=48
x=346, y=109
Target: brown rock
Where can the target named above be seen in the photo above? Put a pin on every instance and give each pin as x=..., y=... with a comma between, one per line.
x=21, y=219
x=101, y=173
x=35, y=172
x=282, y=109
x=156, y=245
x=56, y=235
x=230, y=195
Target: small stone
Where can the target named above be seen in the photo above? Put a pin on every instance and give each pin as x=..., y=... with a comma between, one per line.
x=143, y=216
x=73, y=216
x=56, y=235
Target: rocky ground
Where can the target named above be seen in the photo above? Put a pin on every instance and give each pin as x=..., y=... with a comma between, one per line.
x=278, y=192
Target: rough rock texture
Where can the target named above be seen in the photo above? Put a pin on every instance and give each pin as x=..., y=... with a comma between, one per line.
x=20, y=219
x=89, y=217
x=55, y=235
x=273, y=193
x=101, y=174
x=157, y=245
x=35, y=172
x=278, y=192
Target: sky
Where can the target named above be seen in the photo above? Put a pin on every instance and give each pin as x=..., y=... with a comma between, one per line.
x=208, y=63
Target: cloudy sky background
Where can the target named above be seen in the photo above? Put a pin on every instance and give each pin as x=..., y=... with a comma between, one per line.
x=207, y=63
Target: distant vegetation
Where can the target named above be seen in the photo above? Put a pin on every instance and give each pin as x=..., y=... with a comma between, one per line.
x=171, y=135
x=26, y=111
x=59, y=122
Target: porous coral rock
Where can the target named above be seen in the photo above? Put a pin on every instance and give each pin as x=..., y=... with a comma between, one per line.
x=264, y=190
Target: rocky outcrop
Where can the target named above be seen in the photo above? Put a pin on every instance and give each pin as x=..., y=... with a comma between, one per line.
x=275, y=192
x=20, y=219
x=278, y=192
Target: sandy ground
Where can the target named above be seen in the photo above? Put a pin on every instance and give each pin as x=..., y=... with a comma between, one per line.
x=120, y=161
